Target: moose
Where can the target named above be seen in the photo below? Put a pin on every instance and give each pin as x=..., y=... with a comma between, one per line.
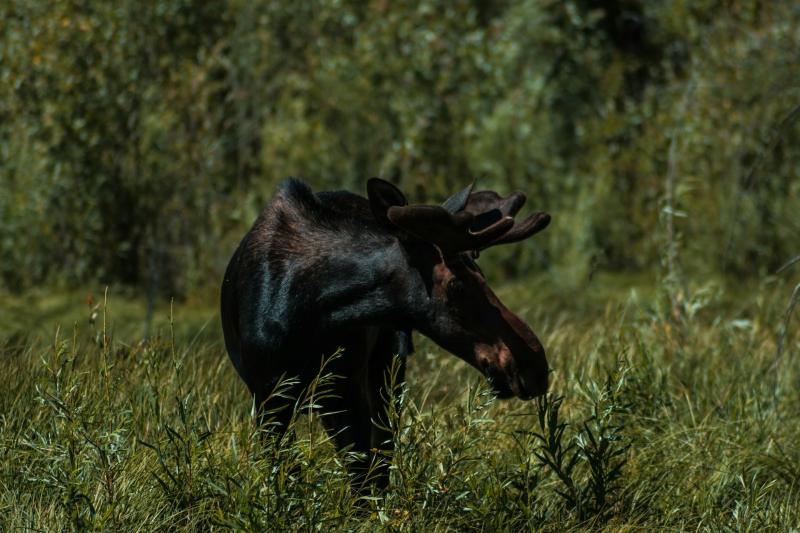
x=322, y=271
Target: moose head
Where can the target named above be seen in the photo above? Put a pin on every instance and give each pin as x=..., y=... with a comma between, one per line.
x=460, y=312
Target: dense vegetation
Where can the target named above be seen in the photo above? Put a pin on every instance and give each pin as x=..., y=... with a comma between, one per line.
x=138, y=141
x=666, y=422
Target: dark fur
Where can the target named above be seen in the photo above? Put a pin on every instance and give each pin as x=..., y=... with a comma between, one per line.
x=318, y=272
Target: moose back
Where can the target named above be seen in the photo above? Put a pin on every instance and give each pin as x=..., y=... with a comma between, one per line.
x=317, y=272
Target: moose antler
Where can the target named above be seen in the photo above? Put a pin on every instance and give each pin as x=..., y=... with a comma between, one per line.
x=465, y=221
x=531, y=225
x=481, y=203
x=450, y=232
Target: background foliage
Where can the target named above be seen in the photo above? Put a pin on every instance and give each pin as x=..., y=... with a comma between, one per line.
x=139, y=140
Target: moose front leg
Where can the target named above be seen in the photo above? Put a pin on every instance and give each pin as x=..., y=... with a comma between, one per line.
x=386, y=377
x=357, y=417
x=368, y=418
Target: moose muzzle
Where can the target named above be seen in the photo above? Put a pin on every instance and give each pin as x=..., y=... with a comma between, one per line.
x=515, y=363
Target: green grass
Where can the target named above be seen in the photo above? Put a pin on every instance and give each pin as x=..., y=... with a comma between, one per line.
x=658, y=418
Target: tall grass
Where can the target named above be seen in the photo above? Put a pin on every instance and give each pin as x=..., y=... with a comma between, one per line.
x=653, y=422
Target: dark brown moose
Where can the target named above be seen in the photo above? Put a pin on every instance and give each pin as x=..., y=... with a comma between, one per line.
x=317, y=272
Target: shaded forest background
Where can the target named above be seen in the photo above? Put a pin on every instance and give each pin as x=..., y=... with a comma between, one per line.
x=138, y=140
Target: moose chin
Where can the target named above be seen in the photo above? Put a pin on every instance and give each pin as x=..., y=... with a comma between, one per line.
x=320, y=271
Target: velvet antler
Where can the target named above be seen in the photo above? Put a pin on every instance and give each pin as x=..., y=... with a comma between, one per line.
x=465, y=221
x=481, y=203
x=450, y=232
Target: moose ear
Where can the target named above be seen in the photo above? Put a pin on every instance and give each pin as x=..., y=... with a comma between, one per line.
x=459, y=200
x=383, y=195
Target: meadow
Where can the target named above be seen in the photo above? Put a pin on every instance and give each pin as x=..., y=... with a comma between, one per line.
x=667, y=410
